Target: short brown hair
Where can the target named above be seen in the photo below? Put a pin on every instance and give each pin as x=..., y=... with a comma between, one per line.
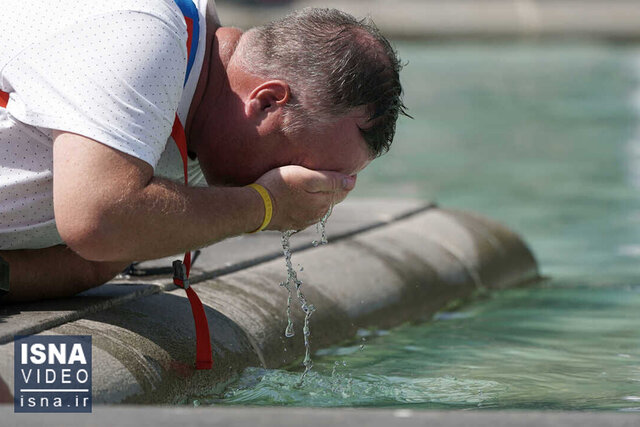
x=333, y=64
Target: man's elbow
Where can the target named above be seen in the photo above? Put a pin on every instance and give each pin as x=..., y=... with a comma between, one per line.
x=91, y=237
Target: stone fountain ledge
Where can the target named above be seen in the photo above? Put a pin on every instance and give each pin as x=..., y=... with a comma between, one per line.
x=388, y=262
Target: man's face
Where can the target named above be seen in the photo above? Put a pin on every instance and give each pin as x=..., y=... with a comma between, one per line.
x=334, y=146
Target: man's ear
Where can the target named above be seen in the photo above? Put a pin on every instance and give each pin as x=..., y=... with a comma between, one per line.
x=266, y=98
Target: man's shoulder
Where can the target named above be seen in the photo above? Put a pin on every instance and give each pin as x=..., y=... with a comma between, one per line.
x=31, y=22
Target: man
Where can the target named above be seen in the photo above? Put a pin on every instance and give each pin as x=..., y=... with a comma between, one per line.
x=88, y=182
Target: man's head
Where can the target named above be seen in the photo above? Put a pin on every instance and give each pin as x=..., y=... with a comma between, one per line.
x=316, y=88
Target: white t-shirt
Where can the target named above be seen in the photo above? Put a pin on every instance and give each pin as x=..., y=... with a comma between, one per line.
x=109, y=70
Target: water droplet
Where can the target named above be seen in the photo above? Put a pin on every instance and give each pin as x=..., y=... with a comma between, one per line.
x=289, y=332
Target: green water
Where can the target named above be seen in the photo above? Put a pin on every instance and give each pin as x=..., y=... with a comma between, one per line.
x=545, y=139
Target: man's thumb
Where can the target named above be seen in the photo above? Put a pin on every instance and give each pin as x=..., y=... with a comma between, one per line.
x=348, y=182
x=329, y=181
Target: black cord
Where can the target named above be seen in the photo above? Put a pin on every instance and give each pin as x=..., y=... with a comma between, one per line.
x=135, y=271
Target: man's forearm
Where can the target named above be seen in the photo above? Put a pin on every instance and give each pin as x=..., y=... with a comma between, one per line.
x=166, y=218
x=54, y=272
x=108, y=205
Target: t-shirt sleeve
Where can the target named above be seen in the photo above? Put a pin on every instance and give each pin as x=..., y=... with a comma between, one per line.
x=116, y=78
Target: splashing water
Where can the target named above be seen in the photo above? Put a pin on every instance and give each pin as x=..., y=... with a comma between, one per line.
x=308, y=309
x=292, y=280
x=321, y=228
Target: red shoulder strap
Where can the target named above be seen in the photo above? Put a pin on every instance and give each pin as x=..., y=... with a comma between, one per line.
x=204, y=359
x=4, y=99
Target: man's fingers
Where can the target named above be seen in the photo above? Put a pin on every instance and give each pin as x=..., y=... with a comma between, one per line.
x=338, y=197
x=302, y=196
x=328, y=182
x=348, y=182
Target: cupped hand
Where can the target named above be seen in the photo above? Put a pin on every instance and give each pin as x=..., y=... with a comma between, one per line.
x=302, y=196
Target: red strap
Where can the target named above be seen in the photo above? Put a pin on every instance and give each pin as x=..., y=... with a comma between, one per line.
x=4, y=99
x=189, y=23
x=204, y=360
x=177, y=133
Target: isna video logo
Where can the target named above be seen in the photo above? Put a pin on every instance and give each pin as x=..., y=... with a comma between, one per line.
x=52, y=373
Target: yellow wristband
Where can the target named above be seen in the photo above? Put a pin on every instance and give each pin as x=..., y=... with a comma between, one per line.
x=268, y=206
